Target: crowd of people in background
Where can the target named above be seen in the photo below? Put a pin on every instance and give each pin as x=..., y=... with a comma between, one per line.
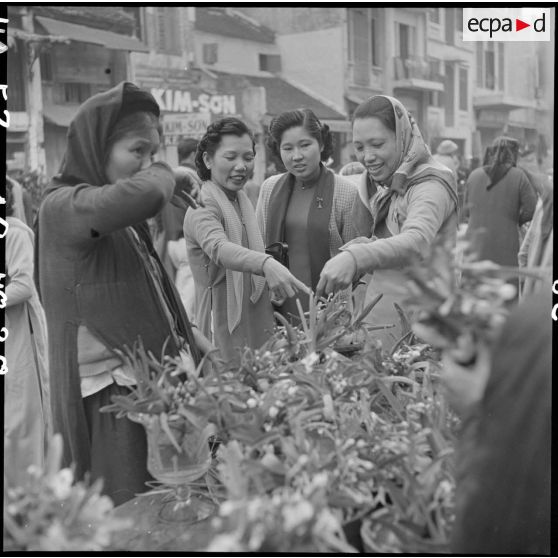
x=195, y=260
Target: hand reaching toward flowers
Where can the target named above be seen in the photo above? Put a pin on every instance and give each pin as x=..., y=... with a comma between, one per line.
x=337, y=274
x=282, y=283
x=464, y=381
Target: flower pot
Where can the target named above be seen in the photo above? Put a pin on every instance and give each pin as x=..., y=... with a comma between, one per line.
x=174, y=455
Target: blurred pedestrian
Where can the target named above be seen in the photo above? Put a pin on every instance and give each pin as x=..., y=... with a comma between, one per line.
x=225, y=247
x=500, y=200
x=536, y=250
x=176, y=244
x=405, y=200
x=447, y=153
x=23, y=204
x=27, y=414
x=503, y=454
x=187, y=148
x=308, y=208
x=352, y=171
x=102, y=284
x=170, y=221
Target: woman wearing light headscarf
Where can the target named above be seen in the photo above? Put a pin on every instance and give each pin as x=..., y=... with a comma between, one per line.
x=406, y=199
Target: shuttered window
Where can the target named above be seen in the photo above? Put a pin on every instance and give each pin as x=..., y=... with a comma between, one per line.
x=210, y=53
x=168, y=31
x=15, y=82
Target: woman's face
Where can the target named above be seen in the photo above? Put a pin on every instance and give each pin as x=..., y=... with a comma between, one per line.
x=300, y=153
x=375, y=148
x=132, y=153
x=232, y=163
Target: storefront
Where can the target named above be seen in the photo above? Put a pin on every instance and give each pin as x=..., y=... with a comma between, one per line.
x=189, y=101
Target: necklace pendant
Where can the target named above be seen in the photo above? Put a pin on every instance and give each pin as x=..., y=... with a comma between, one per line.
x=320, y=202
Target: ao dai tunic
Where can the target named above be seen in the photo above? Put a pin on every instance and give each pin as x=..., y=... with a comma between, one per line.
x=211, y=253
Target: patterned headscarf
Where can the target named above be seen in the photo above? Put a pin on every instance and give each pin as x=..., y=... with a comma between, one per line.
x=415, y=165
x=502, y=156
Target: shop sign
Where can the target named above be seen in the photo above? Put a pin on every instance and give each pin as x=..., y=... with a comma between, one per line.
x=177, y=126
x=174, y=100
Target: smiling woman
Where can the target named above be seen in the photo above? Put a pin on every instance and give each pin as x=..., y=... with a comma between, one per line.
x=225, y=247
x=405, y=200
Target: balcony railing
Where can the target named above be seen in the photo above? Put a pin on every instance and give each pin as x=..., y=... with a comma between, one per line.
x=415, y=67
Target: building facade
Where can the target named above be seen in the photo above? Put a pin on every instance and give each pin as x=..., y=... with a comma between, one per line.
x=59, y=56
x=467, y=92
x=202, y=63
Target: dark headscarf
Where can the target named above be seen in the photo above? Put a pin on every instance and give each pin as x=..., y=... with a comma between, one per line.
x=84, y=163
x=502, y=156
x=84, y=160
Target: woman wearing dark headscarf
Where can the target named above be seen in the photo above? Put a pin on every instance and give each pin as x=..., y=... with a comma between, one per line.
x=405, y=200
x=500, y=199
x=102, y=283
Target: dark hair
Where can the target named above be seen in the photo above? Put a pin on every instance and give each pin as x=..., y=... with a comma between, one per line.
x=9, y=197
x=504, y=151
x=185, y=147
x=212, y=139
x=309, y=121
x=133, y=123
x=377, y=107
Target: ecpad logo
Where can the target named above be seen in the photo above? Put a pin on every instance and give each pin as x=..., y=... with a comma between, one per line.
x=506, y=24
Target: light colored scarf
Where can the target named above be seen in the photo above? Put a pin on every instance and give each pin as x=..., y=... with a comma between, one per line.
x=415, y=165
x=233, y=230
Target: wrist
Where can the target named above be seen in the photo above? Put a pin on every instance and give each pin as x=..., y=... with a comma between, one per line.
x=351, y=259
x=266, y=259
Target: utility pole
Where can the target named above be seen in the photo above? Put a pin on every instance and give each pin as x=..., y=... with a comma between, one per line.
x=36, y=159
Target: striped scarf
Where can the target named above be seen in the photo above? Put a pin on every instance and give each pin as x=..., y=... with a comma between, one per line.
x=233, y=229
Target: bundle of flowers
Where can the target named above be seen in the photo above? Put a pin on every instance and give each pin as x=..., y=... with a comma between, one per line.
x=297, y=408
x=51, y=512
x=383, y=439
x=286, y=520
x=460, y=301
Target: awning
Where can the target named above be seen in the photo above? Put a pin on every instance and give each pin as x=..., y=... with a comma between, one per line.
x=83, y=34
x=282, y=96
x=418, y=84
x=501, y=101
x=59, y=115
